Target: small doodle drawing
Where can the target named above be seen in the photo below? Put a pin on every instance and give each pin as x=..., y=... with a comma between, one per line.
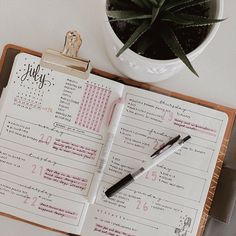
x=186, y=225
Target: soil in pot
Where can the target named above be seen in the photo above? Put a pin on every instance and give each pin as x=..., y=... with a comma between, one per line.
x=190, y=38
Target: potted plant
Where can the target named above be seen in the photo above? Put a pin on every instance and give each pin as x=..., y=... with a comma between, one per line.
x=151, y=40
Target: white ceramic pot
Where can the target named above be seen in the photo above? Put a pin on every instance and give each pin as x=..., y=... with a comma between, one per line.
x=145, y=69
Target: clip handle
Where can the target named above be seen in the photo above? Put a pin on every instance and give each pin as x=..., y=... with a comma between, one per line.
x=72, y=44
x=68, y=61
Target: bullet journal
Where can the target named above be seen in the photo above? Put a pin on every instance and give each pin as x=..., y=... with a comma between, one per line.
x=53, y=128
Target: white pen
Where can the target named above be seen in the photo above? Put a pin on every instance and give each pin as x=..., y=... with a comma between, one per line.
x=113, y=126
x=158, y=156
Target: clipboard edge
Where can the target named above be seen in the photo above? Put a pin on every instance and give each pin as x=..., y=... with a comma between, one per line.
x=231, y=112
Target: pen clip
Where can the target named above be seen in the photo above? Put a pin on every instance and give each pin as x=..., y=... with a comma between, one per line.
x=113, y=105
x=168, y=144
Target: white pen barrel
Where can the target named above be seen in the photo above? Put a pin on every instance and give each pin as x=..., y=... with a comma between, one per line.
x=161, y=157
x=113, y=126
x=105, y=152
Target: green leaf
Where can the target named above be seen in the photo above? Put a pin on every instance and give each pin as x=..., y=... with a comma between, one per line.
x=161, y=3
x=147, y=3
x=191, y=4
x=189, y=20
x=156, y=10
x=135, y=36
x=153, y=2
x=175, y=3
x=127, y=15
x=182, y=4
x=142, y=3
x=138, y=3
x=172, y=42
x=134, y=22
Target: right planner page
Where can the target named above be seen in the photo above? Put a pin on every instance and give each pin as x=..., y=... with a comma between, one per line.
x=169, y=199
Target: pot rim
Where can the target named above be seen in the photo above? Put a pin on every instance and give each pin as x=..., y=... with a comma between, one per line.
x=202, y=46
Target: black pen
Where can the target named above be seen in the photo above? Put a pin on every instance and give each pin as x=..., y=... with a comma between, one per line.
x=158, y=156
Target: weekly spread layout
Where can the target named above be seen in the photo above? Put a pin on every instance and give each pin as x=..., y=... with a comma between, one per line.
x=53, y=128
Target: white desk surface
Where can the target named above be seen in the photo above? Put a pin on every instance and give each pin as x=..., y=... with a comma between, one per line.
x=42, y=24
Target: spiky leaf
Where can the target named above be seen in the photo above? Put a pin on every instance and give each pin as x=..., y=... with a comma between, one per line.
x=142, y=3
x=175, y=3
x=147, y=3
x=185, y=20
x=156, y=10
x=190, y=4
x=127, y=15
x=200, y=24
x=182, y=4
x=154, y=2
x=172, y=42
x=135, y=36
x=166, y=15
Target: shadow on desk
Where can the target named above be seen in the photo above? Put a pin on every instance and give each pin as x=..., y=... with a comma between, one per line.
x=217, y=228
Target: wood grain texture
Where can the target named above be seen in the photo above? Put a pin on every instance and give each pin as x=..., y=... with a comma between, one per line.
x=6, y=65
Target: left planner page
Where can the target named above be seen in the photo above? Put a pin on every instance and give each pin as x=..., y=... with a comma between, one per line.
x=52, y=130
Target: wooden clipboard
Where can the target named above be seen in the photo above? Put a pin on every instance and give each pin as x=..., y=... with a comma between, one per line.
x=10, y=52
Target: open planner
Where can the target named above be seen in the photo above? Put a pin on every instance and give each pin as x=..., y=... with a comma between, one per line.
x=52, y=131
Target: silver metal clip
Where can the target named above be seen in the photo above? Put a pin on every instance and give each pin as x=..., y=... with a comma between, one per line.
x=68, y=61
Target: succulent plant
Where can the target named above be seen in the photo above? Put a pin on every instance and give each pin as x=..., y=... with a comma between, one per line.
x=165, y=15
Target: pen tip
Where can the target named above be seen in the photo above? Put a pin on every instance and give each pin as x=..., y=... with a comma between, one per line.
x=186, y=139
x=177, y=137
x=172, y=141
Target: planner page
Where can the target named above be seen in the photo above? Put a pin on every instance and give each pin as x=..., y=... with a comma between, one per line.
x=52, y=130
x=169, y=199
